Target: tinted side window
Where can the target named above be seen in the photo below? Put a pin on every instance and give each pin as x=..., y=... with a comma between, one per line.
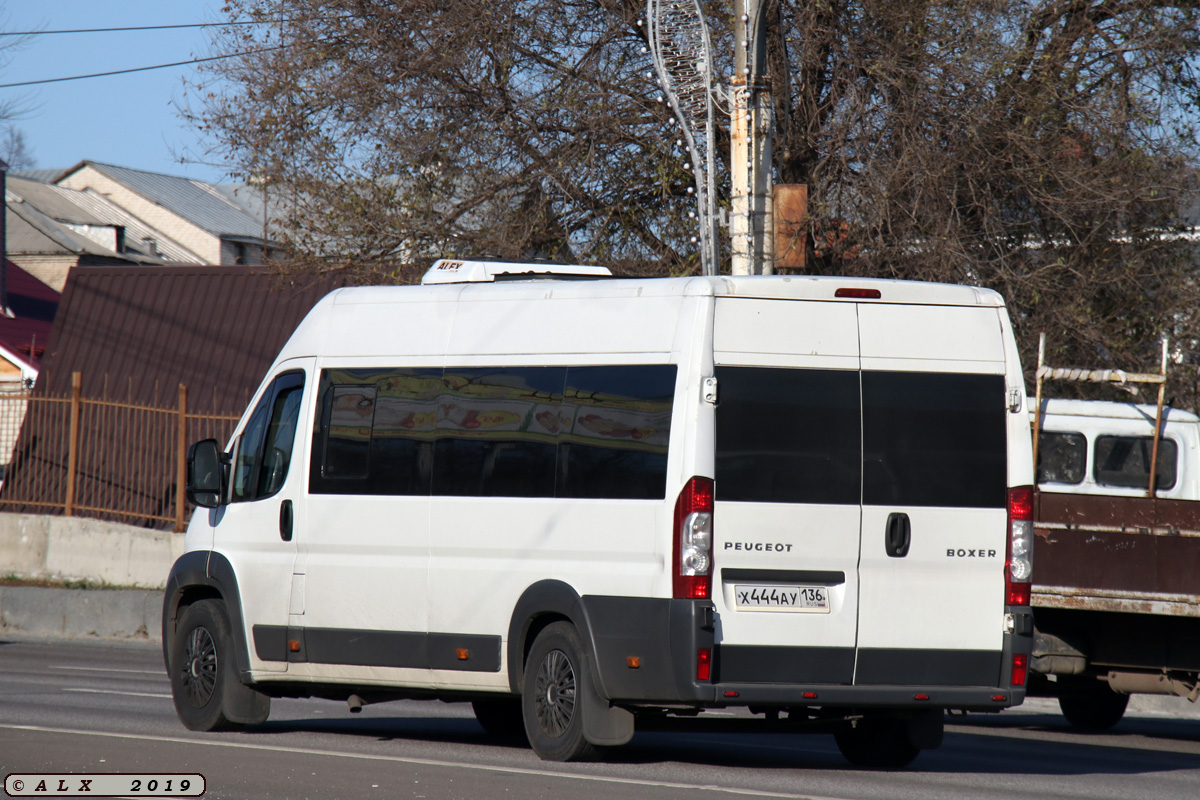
x=788, y=435
x=374, y=431
x=1125, y=461
x=496, y=432
x=264, y=450
x=934, y=439
x=1062, y=457
x=616, y=425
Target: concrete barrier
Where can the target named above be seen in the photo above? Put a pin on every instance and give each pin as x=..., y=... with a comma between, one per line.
x=76, y=548
x=82, y=613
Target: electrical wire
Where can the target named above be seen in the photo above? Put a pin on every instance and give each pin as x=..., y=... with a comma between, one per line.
x=142, y=28
x=139, y=69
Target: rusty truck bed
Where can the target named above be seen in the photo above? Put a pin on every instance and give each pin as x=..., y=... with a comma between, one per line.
x=1136, y=555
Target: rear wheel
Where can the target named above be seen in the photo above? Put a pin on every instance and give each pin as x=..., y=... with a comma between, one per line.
x=550, y=699
x=877, y=743
x=208, y=695
x=1090, y=705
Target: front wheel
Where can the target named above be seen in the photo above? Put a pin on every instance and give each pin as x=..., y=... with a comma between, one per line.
x=208, y=695
x=550, y=696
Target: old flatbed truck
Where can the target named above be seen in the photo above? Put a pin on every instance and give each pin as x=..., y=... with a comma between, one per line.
x=1116, y=592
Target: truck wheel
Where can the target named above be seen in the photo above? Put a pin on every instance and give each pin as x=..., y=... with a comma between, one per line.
x=501, y=717
x=204, y=684
x=1092, y=706
x=877, y=743
x=550, y=701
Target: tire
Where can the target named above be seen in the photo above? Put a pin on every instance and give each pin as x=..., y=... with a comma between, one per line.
x=1092, y=706
x=550, y=701
x=877, y=743
x=502, y=717
x=204, y=684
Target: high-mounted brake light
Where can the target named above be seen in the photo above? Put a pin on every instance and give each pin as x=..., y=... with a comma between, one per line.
x=692, y=534
x=1018, y=567
x=858, y=294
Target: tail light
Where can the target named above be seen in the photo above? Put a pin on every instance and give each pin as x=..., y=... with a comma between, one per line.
x=704, y=664
x=692, y=534
x=1018, y=567
x=1020, y=669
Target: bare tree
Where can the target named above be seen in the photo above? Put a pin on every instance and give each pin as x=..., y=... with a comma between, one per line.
x=1044, y=148
x=14, y=150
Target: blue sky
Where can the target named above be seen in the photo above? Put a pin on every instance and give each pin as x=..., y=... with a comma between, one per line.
x=128, y=120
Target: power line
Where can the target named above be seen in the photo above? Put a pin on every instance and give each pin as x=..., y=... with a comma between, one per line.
x=175, y=27
x=139, y=28
x=138, y=69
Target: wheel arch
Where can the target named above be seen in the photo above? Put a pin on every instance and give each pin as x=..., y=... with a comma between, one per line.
x=203, y=575
x=540, y=605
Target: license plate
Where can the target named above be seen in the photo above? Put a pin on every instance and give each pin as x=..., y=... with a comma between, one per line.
x=813, y=599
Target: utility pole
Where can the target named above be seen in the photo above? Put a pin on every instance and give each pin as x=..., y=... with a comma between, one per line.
x=750, y=228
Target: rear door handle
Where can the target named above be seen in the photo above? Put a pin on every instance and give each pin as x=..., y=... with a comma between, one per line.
x=285, y=520
x=898, y=534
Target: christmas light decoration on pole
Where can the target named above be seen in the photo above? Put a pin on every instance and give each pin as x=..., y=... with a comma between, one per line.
x=679, y=45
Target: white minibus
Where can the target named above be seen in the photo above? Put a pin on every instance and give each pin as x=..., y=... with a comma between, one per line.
x=585, y=503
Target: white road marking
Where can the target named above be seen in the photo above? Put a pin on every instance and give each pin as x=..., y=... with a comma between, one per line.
x=113, y=691
x=425, y=762
x=159, y=672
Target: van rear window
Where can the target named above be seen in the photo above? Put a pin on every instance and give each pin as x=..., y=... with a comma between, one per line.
x=788, y=435
x=934, y=439
x=844, y=437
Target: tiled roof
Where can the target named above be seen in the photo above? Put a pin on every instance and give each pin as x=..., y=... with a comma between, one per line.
x=68, y=206
x=31, y=232
x=201, y=203
x=148, y=329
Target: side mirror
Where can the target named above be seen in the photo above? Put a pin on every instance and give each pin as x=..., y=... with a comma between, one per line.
x=204, y=474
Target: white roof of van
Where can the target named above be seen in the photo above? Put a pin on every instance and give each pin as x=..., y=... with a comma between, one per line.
x=782, y=287
x=1111, y=410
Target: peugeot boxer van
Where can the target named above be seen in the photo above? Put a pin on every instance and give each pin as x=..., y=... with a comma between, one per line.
x=584, y=503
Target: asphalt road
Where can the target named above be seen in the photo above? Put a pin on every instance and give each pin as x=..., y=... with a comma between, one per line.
x=92, y=707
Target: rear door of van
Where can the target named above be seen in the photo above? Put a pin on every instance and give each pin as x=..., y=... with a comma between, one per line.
x=861, y=482
x=787, y=513
x=934, y=527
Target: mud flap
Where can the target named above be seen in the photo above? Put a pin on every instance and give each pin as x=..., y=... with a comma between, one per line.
x=603, y=725
x=925, y=730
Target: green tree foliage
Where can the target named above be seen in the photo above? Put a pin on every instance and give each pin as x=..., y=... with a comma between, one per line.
x=1044, y=149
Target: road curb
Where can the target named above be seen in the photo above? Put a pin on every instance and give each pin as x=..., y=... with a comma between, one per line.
x=82, y=613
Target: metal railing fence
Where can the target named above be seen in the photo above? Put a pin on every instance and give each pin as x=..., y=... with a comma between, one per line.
x=103, y=458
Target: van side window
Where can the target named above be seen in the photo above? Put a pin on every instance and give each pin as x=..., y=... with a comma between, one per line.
x=788, y=436
x=374, y=431
x=1062, y=457
x=616, y=424
x=264, y=450
x=1125, y=461
x=496, y=432
x=348, y=413
x=599, y=432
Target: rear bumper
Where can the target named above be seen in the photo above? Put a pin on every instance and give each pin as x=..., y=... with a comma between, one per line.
x=970, y=698
x=664, y=636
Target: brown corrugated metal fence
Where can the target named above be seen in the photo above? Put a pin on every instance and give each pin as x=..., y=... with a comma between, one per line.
x=116, y=460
